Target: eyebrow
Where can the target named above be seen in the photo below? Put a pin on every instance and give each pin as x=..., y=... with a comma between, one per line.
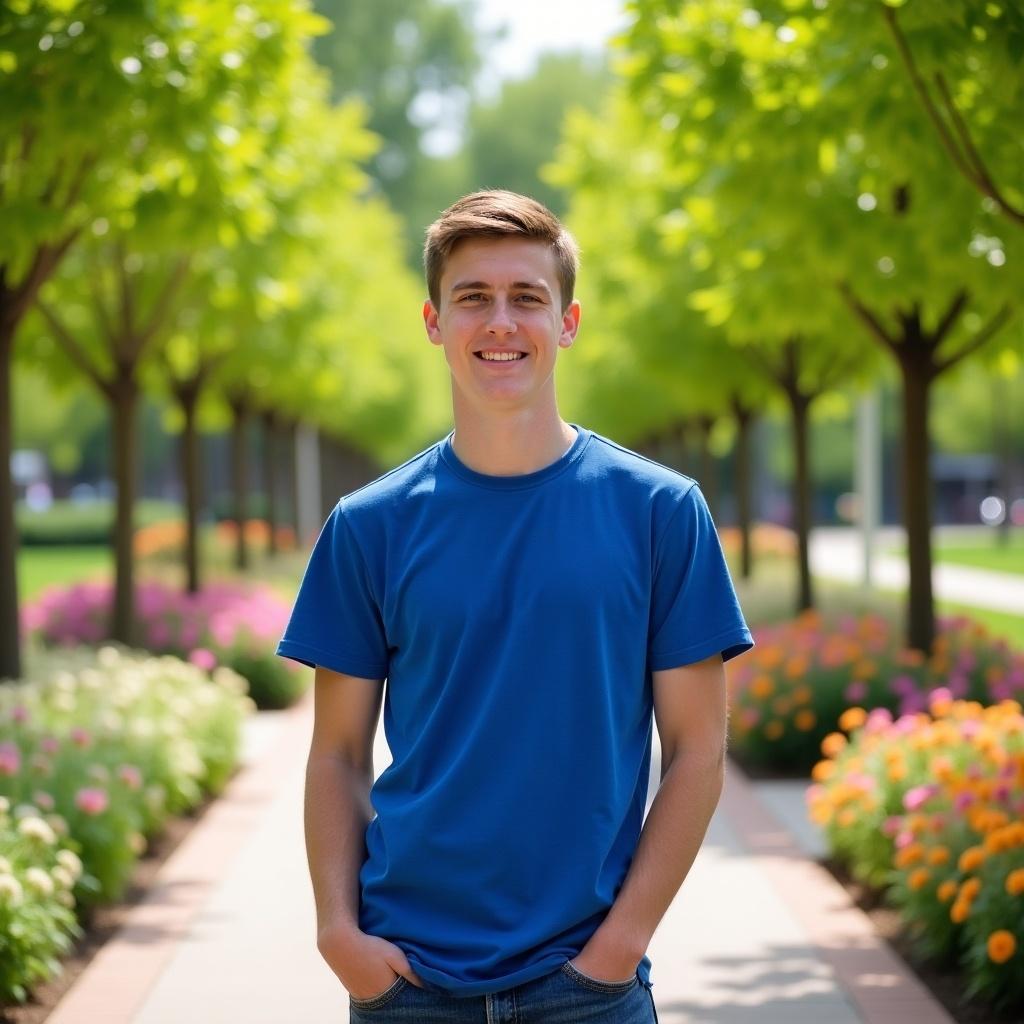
x=535, y=286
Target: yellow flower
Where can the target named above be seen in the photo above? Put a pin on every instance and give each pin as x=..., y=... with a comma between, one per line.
x=1001, y=946
x=971, y=859
x=852, y=718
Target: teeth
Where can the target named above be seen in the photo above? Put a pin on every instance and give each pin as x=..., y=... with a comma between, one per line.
x=501, y=357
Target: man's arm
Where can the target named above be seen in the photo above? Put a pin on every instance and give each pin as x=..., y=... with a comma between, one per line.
x=339, y=774
x=690, y=711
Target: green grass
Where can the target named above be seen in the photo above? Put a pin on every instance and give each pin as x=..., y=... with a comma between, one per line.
x=770, y=596
x=981, y=549
x=39, y=567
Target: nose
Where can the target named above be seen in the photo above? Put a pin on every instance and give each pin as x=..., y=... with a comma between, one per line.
x=501, y=320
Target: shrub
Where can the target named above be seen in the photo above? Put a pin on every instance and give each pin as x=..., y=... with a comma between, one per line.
x=37, y=923
x=76, y=523
x=233, y=625
x=932, y=810
x=789, y=692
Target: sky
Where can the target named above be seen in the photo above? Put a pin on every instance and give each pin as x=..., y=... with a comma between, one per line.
x=537, y=25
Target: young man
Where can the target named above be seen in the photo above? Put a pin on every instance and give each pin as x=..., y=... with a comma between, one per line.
x=531, y=592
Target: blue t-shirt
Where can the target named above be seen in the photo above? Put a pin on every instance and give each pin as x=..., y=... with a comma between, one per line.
x=517, y=620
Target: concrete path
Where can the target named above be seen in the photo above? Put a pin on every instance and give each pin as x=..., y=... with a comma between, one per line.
x=837, y=553
x=759, y=934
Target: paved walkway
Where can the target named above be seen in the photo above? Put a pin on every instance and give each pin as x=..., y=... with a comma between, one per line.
x=759, y=934
x=839, y=553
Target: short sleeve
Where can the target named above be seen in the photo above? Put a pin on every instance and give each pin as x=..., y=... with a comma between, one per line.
x=694, y=609
x=335, y=621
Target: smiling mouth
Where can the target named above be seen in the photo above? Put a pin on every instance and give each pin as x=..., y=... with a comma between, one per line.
x=503, y=357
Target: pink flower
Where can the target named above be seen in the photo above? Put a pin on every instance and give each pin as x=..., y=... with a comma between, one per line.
x=963, y=800
x=10, y=759
x=203, y=658
x=92, y=801
x=49, y=745
x=80, y=737
x=892, y=825
x=19, y=713
x=904, y=838
x=915, y=798
x=130, y=776
x=856, y=691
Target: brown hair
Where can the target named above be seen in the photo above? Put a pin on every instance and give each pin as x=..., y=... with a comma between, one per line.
x=495, y=213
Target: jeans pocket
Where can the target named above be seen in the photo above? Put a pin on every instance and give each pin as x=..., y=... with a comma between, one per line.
x=611, y=988
x=382, y=999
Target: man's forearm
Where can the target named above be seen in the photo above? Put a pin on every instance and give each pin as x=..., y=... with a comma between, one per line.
x=337, y=809
x=672, y=834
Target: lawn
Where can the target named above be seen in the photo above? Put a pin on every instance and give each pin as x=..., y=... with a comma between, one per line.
x=980, y=549
x=39, y=567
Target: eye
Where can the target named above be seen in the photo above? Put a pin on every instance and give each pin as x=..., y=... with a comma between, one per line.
x=472, y=297
x=526, y=297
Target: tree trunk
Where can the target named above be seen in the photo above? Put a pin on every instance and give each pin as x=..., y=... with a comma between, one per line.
x=800, y=406
x=744, y=418
x=240, y=482
x=708, y=476
x=126, y=448
x=292, y=462
x=269, y=482
x=917, y=513
x=191, y=477
x=10, y=648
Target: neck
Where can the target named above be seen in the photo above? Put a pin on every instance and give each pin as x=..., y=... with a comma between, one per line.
x=512, y=443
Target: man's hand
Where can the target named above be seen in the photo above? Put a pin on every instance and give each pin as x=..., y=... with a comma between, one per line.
x=604, y=959
x=365, y=964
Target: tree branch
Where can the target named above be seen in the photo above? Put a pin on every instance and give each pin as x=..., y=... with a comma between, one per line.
x=931, y=110
x=127, y=298
x=984, y=178
x=161, y=307
x=75, y=351
x=980, y=339
x=44, y=263
x=875, y=326
x=764, y=364
x=956, y=307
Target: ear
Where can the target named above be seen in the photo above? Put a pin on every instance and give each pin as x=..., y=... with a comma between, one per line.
x=570, y=324
x=430, y=315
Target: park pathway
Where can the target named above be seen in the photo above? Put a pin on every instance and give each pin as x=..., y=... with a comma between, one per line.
x=759, y=934
x=837, y=553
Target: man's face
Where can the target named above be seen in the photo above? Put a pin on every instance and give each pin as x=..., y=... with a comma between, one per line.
x=500, y=321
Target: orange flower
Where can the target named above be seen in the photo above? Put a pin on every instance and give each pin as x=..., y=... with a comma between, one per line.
x=897, y=771
x=796, y=668
x=1015, y=882
x=1001, y=946
x=852, y=718
x=847, y=817
x=909, y=855
x=971, y=859
x=938, y=855
x=802, y=695
x=946, y=890
x=832, y=745
x=773, y=730
x=823, y=771
x=919, y=878
x=970, y=889
x=762, y=687
x=959, y=911
x=805, y=720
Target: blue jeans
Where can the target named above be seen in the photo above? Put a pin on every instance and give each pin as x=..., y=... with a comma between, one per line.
x=563, y=997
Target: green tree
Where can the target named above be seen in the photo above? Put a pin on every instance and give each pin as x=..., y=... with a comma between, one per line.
x=510, y=138
x=809, y=143
x=412, y=62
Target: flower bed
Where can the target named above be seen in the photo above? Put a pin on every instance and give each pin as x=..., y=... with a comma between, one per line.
x=930, y=807
x=789, y=692
x=224, y=624
x=96, y=751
